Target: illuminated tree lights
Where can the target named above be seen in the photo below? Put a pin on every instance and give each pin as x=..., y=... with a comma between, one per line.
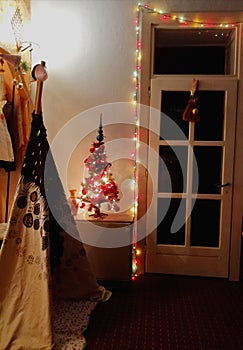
x=99, y=189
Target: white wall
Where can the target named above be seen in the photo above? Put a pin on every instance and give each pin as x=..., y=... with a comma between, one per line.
x=88, y=46
x=89, y=50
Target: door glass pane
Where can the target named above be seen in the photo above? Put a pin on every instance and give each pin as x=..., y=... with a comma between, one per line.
x=205, y=223
x=208, y=162
x=211, y=109
x=173, y=104
x=172, y=174
x=189, y=60
x=194, y=51
x=164, y=234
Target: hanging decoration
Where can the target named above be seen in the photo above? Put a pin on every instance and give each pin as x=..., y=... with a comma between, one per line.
x=17, y=26
x=191, y=113
x=16, y=14
x=167, y=17
x=136, y=99
x=99, y=190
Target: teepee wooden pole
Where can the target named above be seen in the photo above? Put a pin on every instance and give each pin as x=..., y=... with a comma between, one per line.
x=39, y=89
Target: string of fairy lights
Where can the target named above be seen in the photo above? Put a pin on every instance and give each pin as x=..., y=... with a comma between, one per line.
x=181, y=19
x=166, y=18
x=136, y=99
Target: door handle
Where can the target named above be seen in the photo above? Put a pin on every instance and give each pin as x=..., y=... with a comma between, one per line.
x=219, y=185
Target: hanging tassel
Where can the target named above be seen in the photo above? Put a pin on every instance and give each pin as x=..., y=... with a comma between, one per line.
x=191, y=113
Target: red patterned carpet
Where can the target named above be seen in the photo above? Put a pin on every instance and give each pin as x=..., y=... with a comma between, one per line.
x=162, y=312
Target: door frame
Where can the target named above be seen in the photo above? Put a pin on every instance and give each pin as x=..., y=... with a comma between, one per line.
x=148, y=21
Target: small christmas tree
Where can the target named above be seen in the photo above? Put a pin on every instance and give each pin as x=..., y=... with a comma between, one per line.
x=99, y=187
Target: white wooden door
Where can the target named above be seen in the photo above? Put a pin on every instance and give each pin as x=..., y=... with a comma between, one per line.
x=190, y=187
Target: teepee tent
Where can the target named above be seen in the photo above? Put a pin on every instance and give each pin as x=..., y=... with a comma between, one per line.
x=43, y=269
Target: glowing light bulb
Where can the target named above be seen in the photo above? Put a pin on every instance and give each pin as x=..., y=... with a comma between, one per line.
x=133, y=210
x=138, y=252
x=134, y=267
